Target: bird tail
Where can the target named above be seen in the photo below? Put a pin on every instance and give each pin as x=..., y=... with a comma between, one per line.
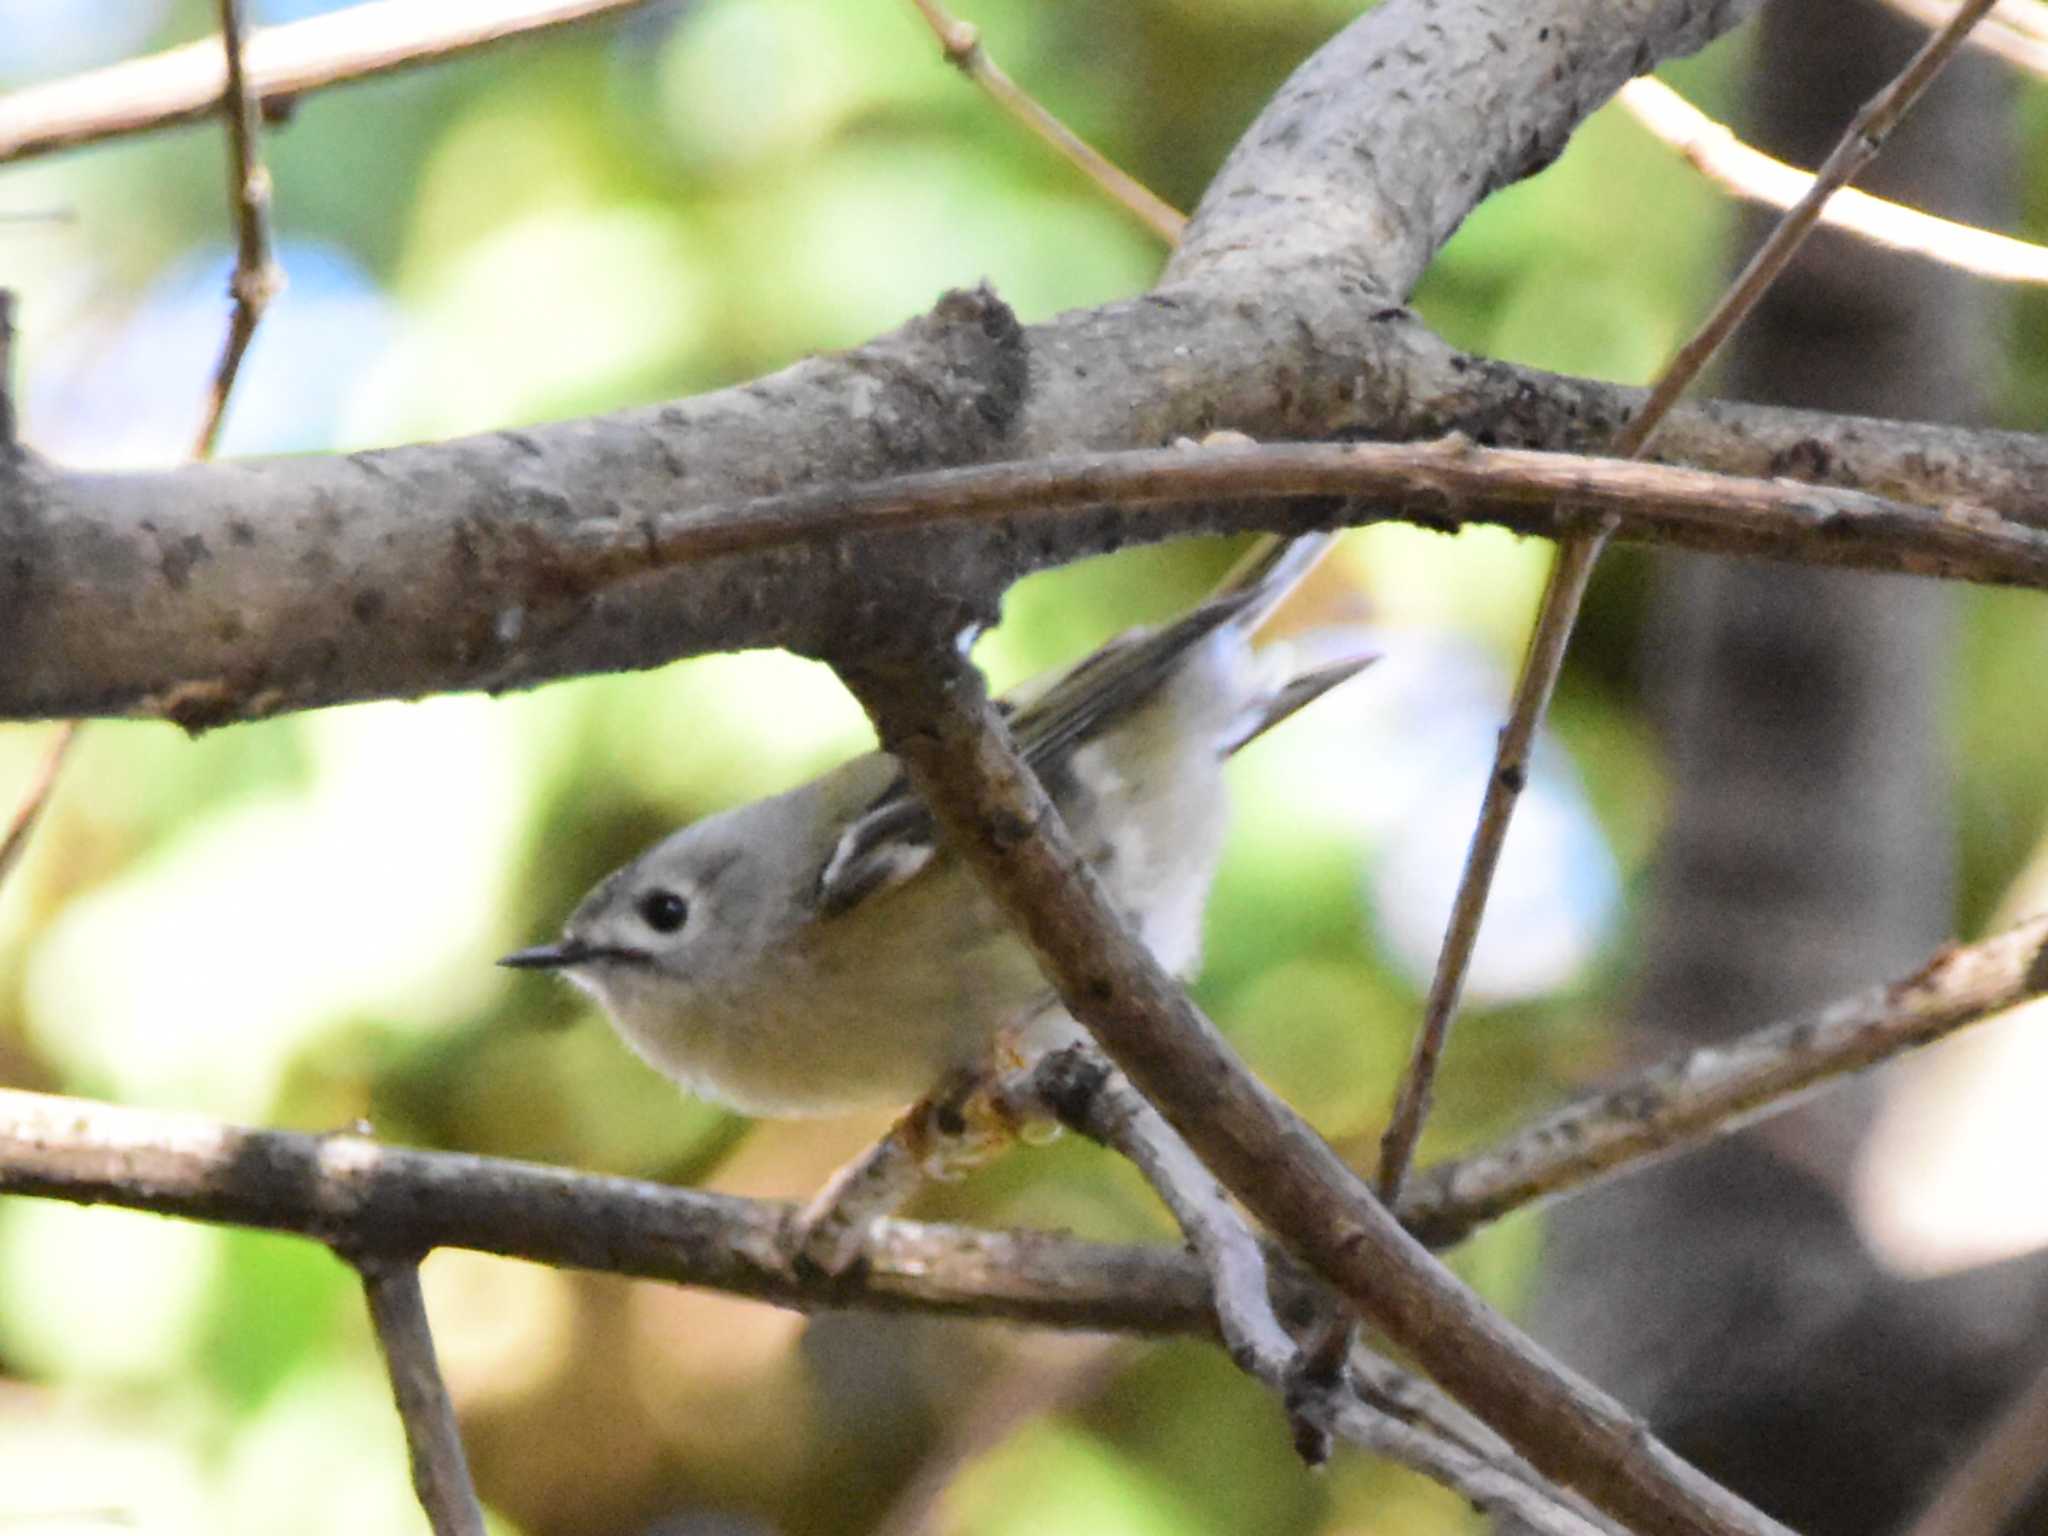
x=1294, y=695
x=1269, y=572
x=1255, y=588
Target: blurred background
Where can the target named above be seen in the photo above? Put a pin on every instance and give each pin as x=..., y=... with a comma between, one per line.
x=292, y=924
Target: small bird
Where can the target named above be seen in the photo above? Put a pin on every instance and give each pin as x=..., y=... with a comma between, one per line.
x=821, y=950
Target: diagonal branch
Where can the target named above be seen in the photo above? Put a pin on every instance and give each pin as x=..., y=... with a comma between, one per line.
x=1681, y=1100
x=961, y=43
x=440, y=1471
x=937, y=717
x=1713, y=150
x=2015, y=31
x=257, y=279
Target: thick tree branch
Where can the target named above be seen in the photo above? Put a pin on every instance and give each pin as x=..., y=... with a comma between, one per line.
x=219, y=594
x=936, y=716
x=1368, y=158
x=242, y=615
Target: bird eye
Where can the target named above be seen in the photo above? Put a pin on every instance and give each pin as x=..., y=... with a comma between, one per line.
x=664, y=911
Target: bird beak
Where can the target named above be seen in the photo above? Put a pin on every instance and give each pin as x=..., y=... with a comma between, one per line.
x=550, y=957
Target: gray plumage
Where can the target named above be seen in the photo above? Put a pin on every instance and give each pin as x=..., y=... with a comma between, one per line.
x=820, y=951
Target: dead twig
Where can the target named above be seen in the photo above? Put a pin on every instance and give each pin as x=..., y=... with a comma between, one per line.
x=35, y=799
x=960, y=41
x=257, y=279
x=1688, y=1097
x=440, y=1472
x=2015, y=31
x=1713, y=150
x=1445, y=485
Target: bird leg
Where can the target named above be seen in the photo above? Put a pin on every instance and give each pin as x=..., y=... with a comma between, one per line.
x=966, y=1122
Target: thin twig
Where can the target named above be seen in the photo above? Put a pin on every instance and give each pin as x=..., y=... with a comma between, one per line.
x=1558, y=612
x=257, y=279
x=440, y=1472
x=40, y=788
x=1085, y=1093
x=1444, y=485
x=2015, y=31
x=1415, y=1400
x=1715, y=152
x=1685, y=1098
x=960, y=41
x=183, y=85
x=1995, y=1480
x=1491, y=1488
x=936, y=716
x=1577, y=554
x=255, y=282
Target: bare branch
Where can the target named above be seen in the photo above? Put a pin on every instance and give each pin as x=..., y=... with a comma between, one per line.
x=960, y=41
x=1683, y=1099
x=183, y=85
x=257, y=279
x=233, y=632
x=1086, y=1094
x=1089, y=1095
x=348, y=1190
x=391, y=1200
x=1490, y=1487
x=35, y=798
x=937, y=717
x=2015, y=31
x=1565, y=591
x=1715, y=152
x=1563, y=594
x=440, y=1472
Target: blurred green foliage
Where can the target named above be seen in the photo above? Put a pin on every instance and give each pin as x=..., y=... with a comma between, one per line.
x=293, y=923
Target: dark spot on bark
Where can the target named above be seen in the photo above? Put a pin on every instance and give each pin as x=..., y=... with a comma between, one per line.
x=949, y=1120
x=178, y=558
x=367, y=606
x=1513, y=778
x=241, y=532
x=1806, y=459
x=1070, y=1079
